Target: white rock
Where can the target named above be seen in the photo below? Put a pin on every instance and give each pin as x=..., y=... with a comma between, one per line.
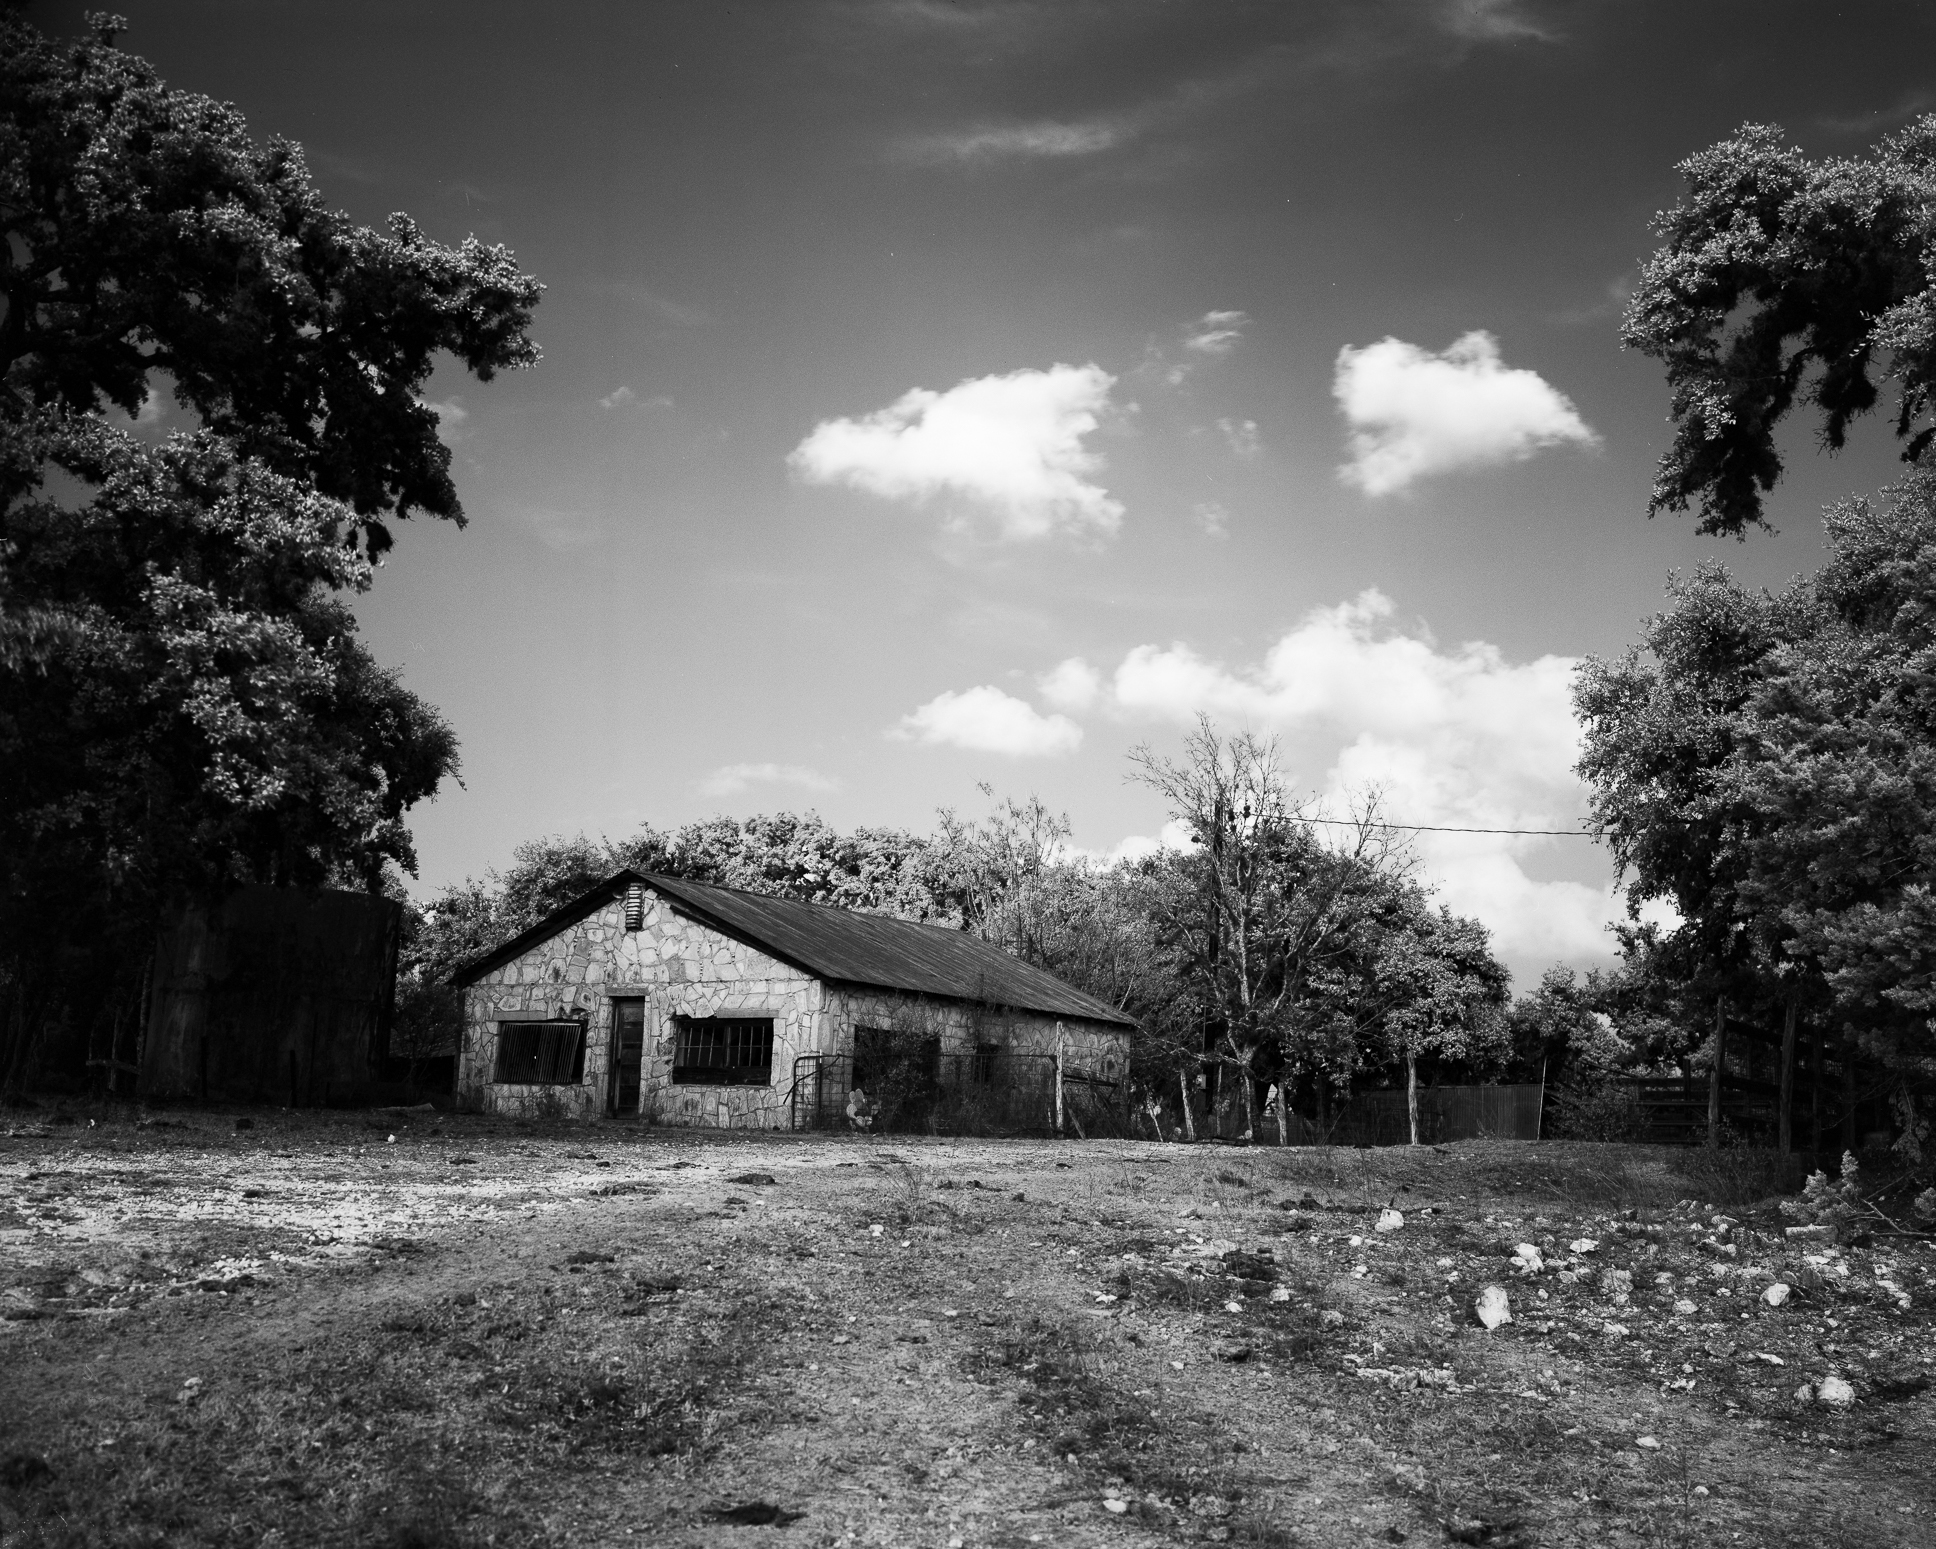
x=1834, y=1392
x=1648, y=1443
x=1776, y=1294
x=1583, y=1244
x=1527, y=1259
x=1110, y=1503
x=1492, y=1307
x=1615, y=1330
x=1280, y=1293
x=1805, y=1393
x=1389, y=1221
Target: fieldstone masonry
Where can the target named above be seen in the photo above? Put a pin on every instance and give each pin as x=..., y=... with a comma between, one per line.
x=680, y=967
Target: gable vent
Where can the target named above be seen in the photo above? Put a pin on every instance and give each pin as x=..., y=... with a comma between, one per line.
x=635, y=907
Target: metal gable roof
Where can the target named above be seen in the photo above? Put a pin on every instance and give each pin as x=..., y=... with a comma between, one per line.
x=875, y=950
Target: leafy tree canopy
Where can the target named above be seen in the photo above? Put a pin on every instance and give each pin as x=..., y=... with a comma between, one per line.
x=148, y=237
x=1783, y=279
x=1767, y=765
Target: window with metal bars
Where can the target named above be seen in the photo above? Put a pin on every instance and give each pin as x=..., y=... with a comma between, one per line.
x=540, y=1053
x=722, y=1051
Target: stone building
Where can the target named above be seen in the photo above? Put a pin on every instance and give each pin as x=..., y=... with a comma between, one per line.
x=691, y=1004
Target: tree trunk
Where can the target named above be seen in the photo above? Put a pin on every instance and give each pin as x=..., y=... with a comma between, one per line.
x=1714, y=1075
x=1787, y=1119
x=1411, y=1092
x=1820, y=1072
x=1189, y=1120
x=1283, y=1110
x=1848, y=1094
x=1250, y=1103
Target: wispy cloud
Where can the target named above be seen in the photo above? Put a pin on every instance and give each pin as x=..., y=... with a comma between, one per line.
x=1241, y=437
x=678, y=313
x=1212, y=517
x=1414, y=414
x=561, y=530
x=1216, y=333
x=985, y=720
x=1879, y=120
x=451, y=416
x=1611, y=303
x=1493, y=21
x=1045, y=139
x=1010, y=447
x=618, y=398
x=732, y=779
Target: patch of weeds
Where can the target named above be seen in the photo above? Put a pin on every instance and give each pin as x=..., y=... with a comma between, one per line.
x=1737, y=1176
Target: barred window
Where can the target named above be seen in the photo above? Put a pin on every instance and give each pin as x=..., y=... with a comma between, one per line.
x=722, y=1051
x=540, y=1053
x=987, y=1061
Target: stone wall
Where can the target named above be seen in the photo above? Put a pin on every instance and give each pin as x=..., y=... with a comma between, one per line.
x=682, y=968
x=679, y=968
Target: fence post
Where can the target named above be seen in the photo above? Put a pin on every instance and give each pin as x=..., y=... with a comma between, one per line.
x=1058, y=1078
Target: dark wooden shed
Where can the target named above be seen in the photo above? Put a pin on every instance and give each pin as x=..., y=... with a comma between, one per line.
x=282, y=995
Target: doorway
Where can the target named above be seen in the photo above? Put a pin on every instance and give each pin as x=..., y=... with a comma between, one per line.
x=628, y=1057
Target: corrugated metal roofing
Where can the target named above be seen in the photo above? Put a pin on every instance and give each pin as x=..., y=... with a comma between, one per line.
x=875, y=950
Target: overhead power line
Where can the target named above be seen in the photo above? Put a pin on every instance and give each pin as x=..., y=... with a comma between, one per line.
x=1434, y=828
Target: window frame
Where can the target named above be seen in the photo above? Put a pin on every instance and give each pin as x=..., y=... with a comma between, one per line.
x=509, y=1068
x=735, y=1070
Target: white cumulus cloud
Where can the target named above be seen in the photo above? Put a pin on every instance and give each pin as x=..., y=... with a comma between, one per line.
x=1455, y=737
x=985, y=720
x=1009, y=446
x=731, y=779
x=1071, y=685
x=1414, y=414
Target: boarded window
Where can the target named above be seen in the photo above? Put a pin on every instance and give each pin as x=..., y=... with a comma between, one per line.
x=988, y=1060
x=722, y=1051
x=540, y=1053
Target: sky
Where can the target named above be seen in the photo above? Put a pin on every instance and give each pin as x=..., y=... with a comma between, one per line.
x=942, y=394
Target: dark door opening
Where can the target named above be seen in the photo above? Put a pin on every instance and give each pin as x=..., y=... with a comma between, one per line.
x=628, y=1056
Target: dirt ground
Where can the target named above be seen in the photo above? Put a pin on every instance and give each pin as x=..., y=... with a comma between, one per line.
x=412, y=1330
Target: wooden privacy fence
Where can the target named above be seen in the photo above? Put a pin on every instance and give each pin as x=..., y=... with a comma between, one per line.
x=1378, y=1118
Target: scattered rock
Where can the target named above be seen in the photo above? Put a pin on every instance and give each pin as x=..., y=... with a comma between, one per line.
x=1647, y=1443
x=755, y=1180
x=1330, y=1318
x=1234, y=1354
x=1389, y=1221
x=1280, y=1293
x=1684, y=1308
x=1776, y=1294
x=1111, y=1504
x=1492, y=1307
x=1834, y=1392
x=1527, y=1259
x=1582, y=1245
